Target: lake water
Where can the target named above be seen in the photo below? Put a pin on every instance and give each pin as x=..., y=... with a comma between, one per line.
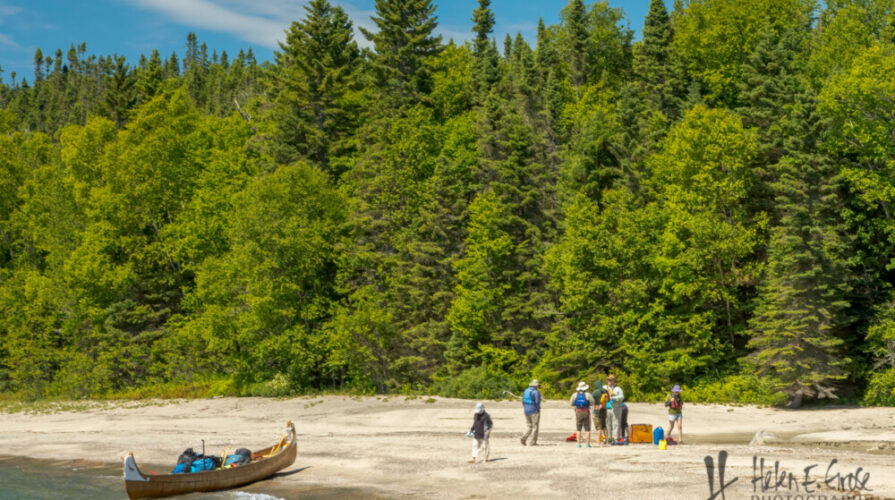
x=26, y=479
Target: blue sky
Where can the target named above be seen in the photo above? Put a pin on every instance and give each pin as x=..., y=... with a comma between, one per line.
x=133, y=27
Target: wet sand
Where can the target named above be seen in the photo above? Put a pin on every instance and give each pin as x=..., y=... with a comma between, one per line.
x=415, y=447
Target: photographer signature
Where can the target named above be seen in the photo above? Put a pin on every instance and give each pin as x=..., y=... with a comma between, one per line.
x=778, y=479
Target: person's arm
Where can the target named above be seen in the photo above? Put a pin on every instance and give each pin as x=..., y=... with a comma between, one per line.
x=536, y=399
x=572, y=399
x=488, y=424
x=668, y=401
x=617, y=395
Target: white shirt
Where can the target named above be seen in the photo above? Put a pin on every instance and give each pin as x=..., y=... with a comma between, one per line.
x=615, y=393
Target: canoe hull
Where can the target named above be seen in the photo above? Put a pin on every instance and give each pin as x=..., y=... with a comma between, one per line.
x=139, y=485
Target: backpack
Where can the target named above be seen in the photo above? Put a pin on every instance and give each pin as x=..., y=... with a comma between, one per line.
x=581, y=401
x=676, y=403
x=185, y=461
x=240, y=457
x=526, y=397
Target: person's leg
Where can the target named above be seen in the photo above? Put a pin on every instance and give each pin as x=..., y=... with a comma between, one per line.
x=527, y=431
x=475, y=450
x=624, y=423
x=535, y=421
x=603, y=430
x=587, y=426
x=613, y=425
x=680, y=429
x=617, y=413
x=579, y=427
x=671, y=420
x=486, y=449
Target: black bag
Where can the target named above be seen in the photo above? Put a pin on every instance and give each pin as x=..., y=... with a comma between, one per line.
x=187, y=456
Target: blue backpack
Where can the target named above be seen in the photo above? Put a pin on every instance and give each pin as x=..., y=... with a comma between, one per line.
x=526, y=397
x=581, y=401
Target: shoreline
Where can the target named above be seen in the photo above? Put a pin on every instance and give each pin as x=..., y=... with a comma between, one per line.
x=413, y=447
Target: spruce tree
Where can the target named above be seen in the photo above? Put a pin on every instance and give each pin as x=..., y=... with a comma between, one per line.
x=404, y=44
x=38, y=65
x=652, y=60
x=119, y=95
x=575, y=25
x=149, y=79
x=317, y=72
x=798, y=322
x=486, y=56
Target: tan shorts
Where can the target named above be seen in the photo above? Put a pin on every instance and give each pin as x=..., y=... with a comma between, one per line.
x=582, y=420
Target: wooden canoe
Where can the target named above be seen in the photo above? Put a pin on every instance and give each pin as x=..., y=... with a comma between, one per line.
x=264, y=464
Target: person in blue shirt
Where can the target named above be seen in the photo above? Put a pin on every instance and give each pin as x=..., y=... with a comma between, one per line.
x=531, y=404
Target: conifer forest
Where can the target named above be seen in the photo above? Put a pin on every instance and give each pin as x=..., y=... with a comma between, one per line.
x=709, y=204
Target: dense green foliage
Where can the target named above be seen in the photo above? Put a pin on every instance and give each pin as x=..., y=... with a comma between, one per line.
x=711, y=205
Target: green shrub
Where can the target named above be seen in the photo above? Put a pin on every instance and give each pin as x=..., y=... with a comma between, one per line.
x=744, y=389
x=475, y=383
x=205, y=388
x=881, y=390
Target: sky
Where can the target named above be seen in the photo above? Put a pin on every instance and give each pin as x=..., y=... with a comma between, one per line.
x=134, y=27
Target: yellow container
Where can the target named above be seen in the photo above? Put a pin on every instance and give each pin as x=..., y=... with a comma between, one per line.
x=663, y=444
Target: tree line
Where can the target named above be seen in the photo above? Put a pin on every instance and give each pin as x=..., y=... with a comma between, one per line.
x=708, y=205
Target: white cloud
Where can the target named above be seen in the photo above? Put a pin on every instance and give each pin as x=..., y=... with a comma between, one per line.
x=8, y=10
x=261, y=22
x=7, y=41
x=206, y=14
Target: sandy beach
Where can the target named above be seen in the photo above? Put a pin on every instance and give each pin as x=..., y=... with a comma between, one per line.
x=397, y=447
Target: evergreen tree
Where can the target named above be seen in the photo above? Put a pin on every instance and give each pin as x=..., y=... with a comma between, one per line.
x=317, y=78
x=149, y=79
x=119, y=95
x=404, y=44
x=577, y=38
x=38, y=65
x=652, y=60
x=486, y=56
x=797, y=324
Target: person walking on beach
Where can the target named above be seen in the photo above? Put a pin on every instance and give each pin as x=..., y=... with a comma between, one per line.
x=481, y=433
x=582, y=401
x=601, y=397
x=675, y=405
x=531, y=404
x=616, y=398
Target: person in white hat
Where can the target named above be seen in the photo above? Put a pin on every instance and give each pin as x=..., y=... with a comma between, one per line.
x=531, y=404
x=481, y=433
x=582, y=401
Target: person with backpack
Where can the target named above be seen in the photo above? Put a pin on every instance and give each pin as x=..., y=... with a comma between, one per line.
x=582, y=401
x=614, y=409
x=601, y=397
x=531, y=405
x=481, y=433
x=675, y=405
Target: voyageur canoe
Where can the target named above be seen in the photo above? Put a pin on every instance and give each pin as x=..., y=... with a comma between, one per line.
x=264, y=464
